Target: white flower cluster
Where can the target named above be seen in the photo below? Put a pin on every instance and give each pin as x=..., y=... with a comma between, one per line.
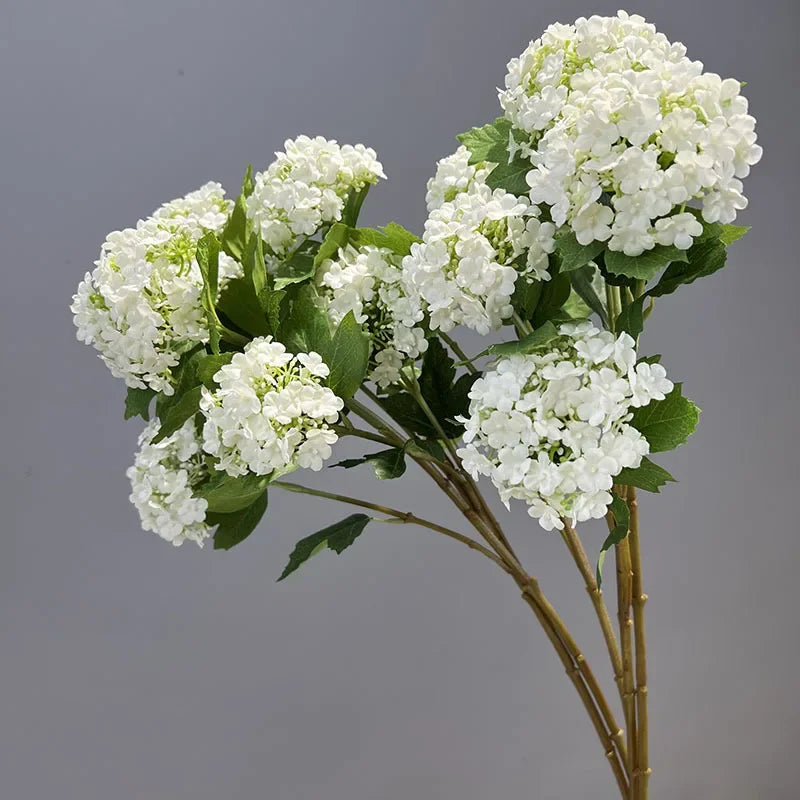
x=307, y=186
x=551, y=428
x=369, y=282
x=625, y=129
x=163, y=478
x=141, y=306
x=270, y=412
x=474, y=249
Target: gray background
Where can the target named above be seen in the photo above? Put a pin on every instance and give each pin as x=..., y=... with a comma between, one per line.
x=409, y=667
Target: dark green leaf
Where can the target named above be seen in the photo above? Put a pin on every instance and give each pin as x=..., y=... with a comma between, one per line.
x=645, y=266
x=226, y=494
x=488, y=143
x=666, y=423
x=703, y=258
x=208, y=366
x=511, y=177
x=181, y=411
x=621, y=514
x=336, y=238
x=526, y=297
x=352, y=208
x=647, y=476
x=336, y=537
x=349, y=463
x=403, y=408
x=427, y=446
x=388, y=464
x=208, y=261
x=555, y=293
x=236, y=527
x=654, y=359
x=348, y=357
x=255, y=268
x=137, y=403
x=538, y=340
x=575, y=255
x=234, y=235
x=583, y=285
x=306, y=329
x=631, y=318
x=239, y=303
x=299, y=267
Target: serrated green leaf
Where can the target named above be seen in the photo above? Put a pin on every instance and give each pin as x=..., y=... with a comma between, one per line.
x=233, y=238
x=427, y=446
x=654, y=359
x=732, y=233
x=208, y=366
x=226, y=494
x=445, y=396
x=348, y=357
x=137, y=403
x=511, y=177
x=645, y=266
x=337, y=237
x=337, y=537
x=619, y=509
x=575, y=255
x=704, y=258
x=488, y=143
x=538, y=340
x=306, y=328
x=236, y=527
x=238, y=302
x=299, y=267
x=647, y=476
x=179, y=412
x=631, y=318
x=667, y=423
x=394, y=237
x=406, y=412
x=583, y=284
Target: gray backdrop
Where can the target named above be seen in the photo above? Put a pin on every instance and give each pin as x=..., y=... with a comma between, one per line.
x=408, y=667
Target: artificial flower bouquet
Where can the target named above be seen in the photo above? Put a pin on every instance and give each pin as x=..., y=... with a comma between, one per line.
x=253, y=333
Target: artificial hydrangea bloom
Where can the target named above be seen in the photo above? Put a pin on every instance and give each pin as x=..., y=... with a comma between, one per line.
x=625, y=130
x=306, y=187
x=270, y=412
x=474, y=249
x=163, y=479
x=369, y=282
x=552, y=428
x=141, y=306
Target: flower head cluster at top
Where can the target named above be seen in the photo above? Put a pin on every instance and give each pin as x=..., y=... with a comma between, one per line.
x=369, y=282
x=163, y=479
x=270, y=412
x=476, y=245
x=306, y=187
x=141, y=306
x=624, y=130
x=551, y=428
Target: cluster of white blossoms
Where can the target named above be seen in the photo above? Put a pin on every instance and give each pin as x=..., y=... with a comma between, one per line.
x=476, y=245
x=369, y=282
x=306, y=187
x=141, y=307
x=270, y=412
x=163, y=479
x=552, y=428
x=625, y=130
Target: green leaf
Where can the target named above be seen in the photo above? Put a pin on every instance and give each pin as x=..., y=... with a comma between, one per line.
x=255, y=268
x=208, y=261
x=208, y=366
x=446, y=397
x=511, y=177
x=427, y=446
x=619, y=509
x=388, y=464
x=184, y=409
x=352, y=208
x=237, y=526
x=583, y=283
x=137, y=403
x=299, y=267
x=555, y=293
x=348, y=357
x=307, y=328
x=526, y=297
x=403, y=408
x=538, y=340
x=575, y=255
x=337, y=537
x=647, y=476
x=488, y=143
x=667, y=423
x=226, y=494
x=732, y=233
x=645, y=266
x=336, y=238
x=704, y=258
x=631, y=318
x=394, y=237
x=239, y=303
x=234, y=235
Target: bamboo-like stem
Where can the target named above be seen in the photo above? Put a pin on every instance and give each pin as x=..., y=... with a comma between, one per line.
x=575, y=546
x=399, y=516
x=641, y=774
x=456, y=348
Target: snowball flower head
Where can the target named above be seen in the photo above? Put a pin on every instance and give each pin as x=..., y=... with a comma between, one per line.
x=474, y=249
x=141, y=307
x=552, y=428
x=271, y=412
x=306, y=187
x=369, y=282
x=624, y=130
x=163, y=479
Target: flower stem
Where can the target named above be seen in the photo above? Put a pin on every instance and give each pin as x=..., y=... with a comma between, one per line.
x=456, y=348
x=523, y=328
